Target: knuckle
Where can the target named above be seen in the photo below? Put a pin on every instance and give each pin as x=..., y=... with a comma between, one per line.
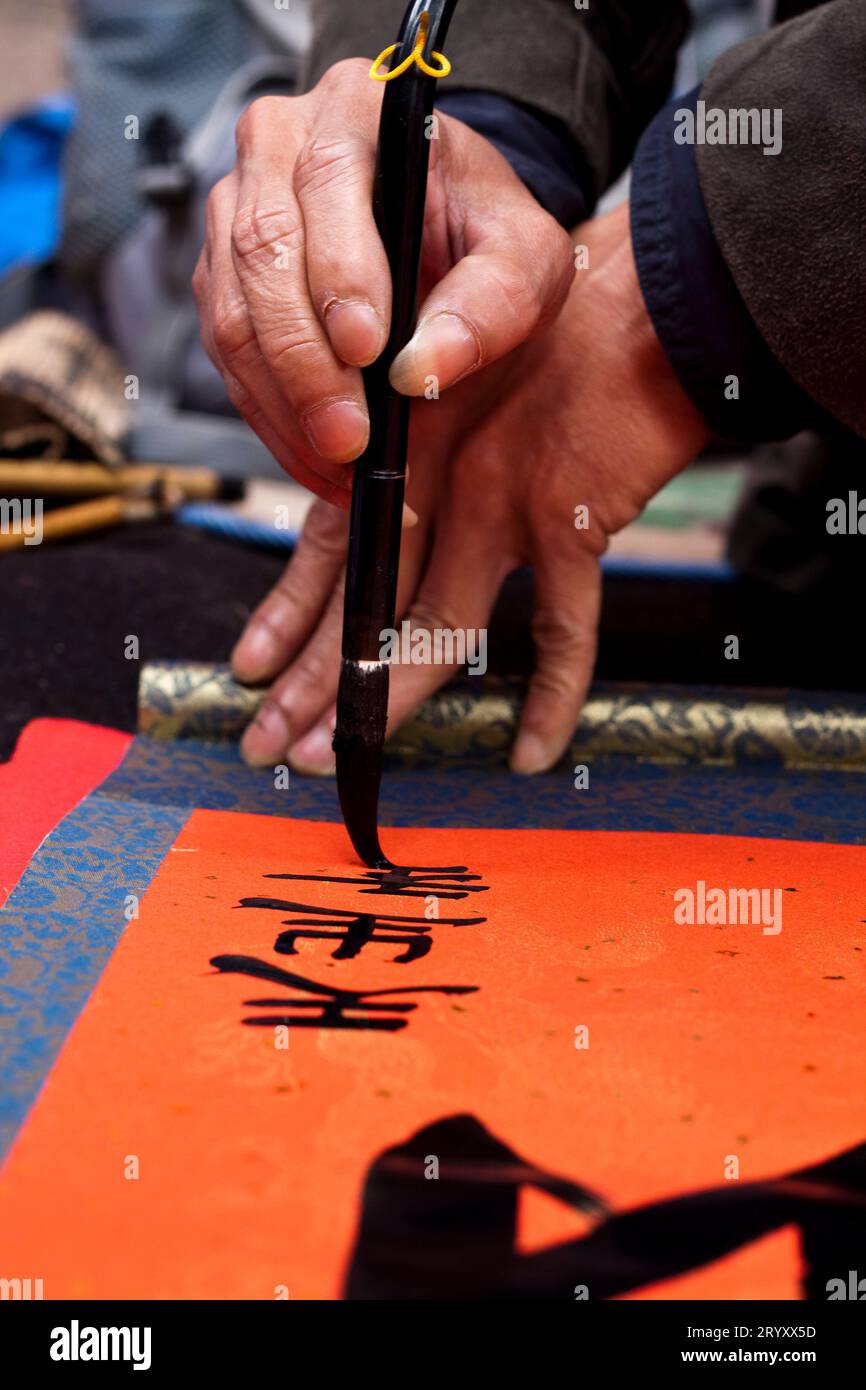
x=560, y=636
x=259, y=116
x=345, y=71
x=299, y=349
x=262, y=233
x=230, y=330
x=323, y=160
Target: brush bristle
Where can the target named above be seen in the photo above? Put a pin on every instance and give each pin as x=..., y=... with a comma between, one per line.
x=359, y=738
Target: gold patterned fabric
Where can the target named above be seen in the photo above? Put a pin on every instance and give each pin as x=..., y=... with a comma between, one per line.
x=475, y=722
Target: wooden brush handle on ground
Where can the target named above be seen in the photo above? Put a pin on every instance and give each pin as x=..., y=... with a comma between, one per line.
x=44, y=477
x=83, y=517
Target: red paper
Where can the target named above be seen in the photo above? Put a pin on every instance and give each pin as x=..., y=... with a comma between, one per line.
x=56, y=763
x=705, y=1041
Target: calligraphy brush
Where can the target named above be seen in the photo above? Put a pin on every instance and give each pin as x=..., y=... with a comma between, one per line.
x=375, y=526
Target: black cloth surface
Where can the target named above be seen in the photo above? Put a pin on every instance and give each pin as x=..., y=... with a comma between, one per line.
x=69, y=608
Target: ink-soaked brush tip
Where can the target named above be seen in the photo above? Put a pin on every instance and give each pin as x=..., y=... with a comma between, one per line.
x=359, y=740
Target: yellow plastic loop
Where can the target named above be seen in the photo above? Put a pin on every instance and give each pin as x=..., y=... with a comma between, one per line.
x=416, y=56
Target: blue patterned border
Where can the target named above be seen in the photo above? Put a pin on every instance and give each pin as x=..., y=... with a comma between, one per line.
x=59, y=928
x=766, y=801
x=62, y=922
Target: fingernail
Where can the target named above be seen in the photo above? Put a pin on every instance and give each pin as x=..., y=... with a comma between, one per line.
x=255, y=654
x=443, y=348
x=338, y=430
x=410, y=517
x=313, y=754
x=356, y=331
x=529, y=756
x=265, y=740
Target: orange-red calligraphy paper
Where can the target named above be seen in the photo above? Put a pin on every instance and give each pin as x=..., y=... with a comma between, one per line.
x=703, y=1042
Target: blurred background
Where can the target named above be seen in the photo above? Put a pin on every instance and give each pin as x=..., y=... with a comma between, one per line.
x=31, y=51
x=99, y=298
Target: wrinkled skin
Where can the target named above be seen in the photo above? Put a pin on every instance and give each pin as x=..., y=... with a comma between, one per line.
x=293, y=287
x=590, y=414
x=576, y=405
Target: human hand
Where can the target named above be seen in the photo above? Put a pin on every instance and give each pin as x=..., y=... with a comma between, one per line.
x=588, y=416
x=293, y=287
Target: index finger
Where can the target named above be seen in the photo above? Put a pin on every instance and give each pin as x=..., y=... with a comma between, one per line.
x=268, y=246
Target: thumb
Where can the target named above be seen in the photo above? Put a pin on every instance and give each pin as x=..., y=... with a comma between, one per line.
x=513, y=281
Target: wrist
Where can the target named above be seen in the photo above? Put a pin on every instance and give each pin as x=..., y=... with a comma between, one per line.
x=709, y=336
x=636, y=352
x=645, y=426
x=648, y=365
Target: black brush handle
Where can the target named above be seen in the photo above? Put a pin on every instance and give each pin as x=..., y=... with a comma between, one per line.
x=399, y=195
x=375, y=527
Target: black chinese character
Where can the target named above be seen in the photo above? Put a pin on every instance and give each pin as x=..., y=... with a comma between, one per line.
x=405, y=882
x=334, y=1008
x=355, y=930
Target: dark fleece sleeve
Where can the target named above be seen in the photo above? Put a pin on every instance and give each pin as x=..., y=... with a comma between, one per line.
x=697, y=311
x=791, y=227
x=600, y=72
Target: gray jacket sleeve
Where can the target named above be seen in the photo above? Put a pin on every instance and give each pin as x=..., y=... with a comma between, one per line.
x=792, y=226
x=601, y=72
